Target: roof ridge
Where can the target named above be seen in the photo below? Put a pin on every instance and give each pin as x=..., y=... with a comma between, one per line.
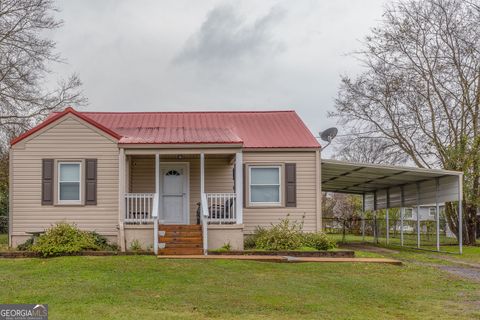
x=186, y=112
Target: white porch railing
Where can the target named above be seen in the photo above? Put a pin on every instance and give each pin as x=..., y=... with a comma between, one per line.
x=139, y=207
x=222, y=208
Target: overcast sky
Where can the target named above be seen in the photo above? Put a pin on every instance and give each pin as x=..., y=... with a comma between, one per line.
x=152, y=55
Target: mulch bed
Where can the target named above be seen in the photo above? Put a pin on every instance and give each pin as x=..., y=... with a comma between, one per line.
x=293, y=253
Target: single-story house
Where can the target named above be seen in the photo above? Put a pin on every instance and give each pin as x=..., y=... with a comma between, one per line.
x=208, y=178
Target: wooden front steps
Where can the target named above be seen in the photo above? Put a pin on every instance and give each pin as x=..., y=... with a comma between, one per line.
x=180, y=239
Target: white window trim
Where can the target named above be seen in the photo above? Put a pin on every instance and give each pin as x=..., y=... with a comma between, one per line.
x=430, y=210
x=252, y=203
x=80, y=194
x=410, y=216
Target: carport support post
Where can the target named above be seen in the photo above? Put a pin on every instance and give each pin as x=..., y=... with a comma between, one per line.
x=460, y=213
x=387, y=220
x=375, y=231
x=418, y=215
x=363, y=217
x=437, y=212
x=402, y=213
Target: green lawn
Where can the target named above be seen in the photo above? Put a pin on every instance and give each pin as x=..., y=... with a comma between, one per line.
x=144, y=287
x=447, y=244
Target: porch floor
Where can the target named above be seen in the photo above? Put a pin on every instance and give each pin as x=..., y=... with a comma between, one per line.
x=282, y=258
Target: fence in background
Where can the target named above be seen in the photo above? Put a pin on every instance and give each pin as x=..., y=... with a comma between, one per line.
x=375, y=231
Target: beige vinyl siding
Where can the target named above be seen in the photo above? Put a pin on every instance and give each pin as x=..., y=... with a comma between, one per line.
x=306, y=190
x=218, y=177
x=69, y=138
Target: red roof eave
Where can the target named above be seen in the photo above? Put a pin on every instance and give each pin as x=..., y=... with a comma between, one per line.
x=59, y=115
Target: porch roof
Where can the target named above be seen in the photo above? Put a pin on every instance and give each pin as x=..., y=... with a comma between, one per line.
x=178, y=135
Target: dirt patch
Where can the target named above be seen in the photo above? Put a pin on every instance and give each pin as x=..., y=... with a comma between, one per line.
x=462, y=272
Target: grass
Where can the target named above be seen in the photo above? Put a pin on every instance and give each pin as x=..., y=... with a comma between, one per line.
x=410, y=239
x=145, y=287
x=471, y=254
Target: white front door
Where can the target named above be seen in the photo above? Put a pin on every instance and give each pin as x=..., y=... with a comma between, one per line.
x=174, y=193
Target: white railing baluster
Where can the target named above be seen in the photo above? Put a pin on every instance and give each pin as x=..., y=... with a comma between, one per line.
x=139, y=208
x=221, y=207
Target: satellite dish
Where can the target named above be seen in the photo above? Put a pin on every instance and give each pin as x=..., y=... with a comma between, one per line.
x=328, y=135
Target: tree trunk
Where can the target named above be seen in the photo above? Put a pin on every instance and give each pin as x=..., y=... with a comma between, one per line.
x=469, y=219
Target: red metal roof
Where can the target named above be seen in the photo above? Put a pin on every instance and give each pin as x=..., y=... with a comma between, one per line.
x=258, y=129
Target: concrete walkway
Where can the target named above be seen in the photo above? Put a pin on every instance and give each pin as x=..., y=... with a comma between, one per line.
x=283, y=259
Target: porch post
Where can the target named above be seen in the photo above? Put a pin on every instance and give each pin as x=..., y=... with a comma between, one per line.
x=121, y=198
x=202, y=205
x=202, y=173
x=156, y=203
x=239, y=187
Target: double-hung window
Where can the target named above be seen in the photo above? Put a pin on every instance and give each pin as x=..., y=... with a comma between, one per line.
x=408, y=213
x=69, y=183
x=265, y=185
x=432, y=211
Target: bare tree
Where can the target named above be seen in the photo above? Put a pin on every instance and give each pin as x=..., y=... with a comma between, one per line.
x=25, y=53
x=420, y=90
x=358, y=148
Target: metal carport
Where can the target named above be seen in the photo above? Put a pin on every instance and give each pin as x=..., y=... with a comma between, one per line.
x=385, y=187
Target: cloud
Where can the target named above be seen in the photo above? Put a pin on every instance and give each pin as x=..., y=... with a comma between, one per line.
x=226, y=36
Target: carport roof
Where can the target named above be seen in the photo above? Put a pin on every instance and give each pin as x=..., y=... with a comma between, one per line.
x=362, y=178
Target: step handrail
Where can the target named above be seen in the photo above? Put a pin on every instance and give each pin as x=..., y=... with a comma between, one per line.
x=204, y=220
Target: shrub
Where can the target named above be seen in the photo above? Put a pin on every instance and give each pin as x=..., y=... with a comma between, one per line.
x=251, y=240
x=135, y=245
x=102, y=242
x=287, y=235
x=26, y=246
x=318, y=240
x=64, y=238
x=226, y=247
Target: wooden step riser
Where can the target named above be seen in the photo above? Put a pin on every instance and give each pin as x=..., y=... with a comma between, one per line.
x=178, y=234
x=179, y=251
x=169, y=227
x=183, y=245
x=179, y=240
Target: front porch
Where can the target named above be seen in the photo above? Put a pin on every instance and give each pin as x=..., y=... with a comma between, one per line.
x=164, y=188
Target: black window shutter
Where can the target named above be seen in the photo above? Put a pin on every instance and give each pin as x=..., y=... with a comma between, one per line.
x=47, y=181
x=290, y=185
x=90, y=181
